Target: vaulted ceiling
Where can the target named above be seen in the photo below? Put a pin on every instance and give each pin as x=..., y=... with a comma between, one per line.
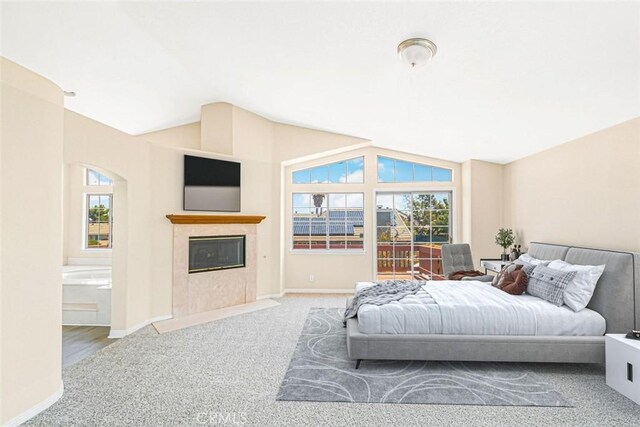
x=509, y=78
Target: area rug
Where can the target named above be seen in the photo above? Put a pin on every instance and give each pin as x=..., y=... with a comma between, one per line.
x=320, y=371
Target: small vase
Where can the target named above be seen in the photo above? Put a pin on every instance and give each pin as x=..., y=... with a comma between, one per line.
x=504, y=257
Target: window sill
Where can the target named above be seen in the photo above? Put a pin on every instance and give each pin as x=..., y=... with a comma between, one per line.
x=327, y=252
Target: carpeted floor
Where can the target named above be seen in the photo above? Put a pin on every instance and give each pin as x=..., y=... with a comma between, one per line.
x=321, y=371
x=229, y=373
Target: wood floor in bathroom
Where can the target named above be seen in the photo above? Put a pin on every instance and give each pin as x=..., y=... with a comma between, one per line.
x=79, y=342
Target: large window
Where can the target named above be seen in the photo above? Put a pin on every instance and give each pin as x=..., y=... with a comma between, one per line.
x=344, y=172
x=394, y=170
x=411, y=228
x=328, y=221
x=98, y=224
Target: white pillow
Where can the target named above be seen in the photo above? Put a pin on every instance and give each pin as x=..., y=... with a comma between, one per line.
x=528, y=259
x=579, y=291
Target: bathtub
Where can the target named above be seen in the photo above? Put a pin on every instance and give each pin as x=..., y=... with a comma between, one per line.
x=86, y=295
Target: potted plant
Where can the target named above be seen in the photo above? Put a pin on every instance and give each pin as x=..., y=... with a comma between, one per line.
x=504, y=239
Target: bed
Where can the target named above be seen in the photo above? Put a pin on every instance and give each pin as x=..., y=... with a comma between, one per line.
x=403, y=331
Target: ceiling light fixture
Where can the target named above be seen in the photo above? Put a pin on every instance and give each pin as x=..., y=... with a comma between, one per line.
x=69, y=93
x=417, y=52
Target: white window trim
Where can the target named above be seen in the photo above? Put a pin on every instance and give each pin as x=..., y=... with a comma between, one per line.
x=86, y=179
x=94, y=190
x=364, y=174
x=85, y=220
x=414, y=182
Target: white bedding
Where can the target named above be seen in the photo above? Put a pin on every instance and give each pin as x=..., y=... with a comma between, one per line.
x=475, y=308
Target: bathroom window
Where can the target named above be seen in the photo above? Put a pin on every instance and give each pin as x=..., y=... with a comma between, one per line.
x=96, y=178
x=98, y=221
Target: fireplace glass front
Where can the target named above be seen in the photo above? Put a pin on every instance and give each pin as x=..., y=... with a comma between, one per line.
x=216, y=253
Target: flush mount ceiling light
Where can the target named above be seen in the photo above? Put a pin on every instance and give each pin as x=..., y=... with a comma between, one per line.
x=69, y=93
x=417, y=52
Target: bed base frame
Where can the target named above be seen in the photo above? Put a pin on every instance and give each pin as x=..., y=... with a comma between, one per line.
x=495, y=348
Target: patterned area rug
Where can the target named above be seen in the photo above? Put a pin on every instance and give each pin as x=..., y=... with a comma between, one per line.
x=320, y=371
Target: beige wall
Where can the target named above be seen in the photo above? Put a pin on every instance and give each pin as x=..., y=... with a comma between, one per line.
x=261, y=146
x=217, y=128
x=482, y=207
x=585, y=192
x=31, y=245
x=185, y=136
x=127, y=160
x=147, y=172
x=293, y=143
x=339, y=271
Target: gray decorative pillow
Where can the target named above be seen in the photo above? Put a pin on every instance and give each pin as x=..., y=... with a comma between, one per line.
x=528, y=268
x=549, y=284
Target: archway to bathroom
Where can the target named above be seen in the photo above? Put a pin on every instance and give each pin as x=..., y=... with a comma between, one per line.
x=94, y=207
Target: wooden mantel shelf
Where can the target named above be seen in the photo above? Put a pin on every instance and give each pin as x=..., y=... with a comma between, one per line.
x=215, y=219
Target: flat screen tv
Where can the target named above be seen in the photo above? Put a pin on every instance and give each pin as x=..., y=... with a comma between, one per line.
x=211, y=185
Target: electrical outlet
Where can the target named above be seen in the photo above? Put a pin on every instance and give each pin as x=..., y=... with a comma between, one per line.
x=311, y=278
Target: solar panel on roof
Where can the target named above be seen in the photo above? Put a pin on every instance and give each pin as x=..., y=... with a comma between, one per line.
x=341, y=222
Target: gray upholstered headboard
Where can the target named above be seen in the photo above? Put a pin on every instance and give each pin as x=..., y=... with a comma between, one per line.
x=547, y=251
x=617, y=294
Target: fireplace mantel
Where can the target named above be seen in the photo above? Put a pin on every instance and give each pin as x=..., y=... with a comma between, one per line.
x=215, y=219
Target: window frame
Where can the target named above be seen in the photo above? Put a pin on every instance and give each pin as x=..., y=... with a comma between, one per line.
x=413, y=171
x=87, y=171
x=327, y=250
x=453, y=215
x=85, y=233
x=327, y=165
x=99, y=189
x=87, y=208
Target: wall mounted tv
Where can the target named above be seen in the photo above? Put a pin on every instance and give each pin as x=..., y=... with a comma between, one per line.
x=211, y=185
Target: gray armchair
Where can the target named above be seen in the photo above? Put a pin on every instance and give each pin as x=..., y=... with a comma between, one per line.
x=457, y=257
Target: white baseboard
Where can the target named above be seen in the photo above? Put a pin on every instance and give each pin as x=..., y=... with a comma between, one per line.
x=85, y=324
x=88, y=261
x=318, y=291
x=120, y=333
x=261, y=297
x=35, y=410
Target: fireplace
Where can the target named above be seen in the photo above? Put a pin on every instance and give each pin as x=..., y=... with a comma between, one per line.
x=195, y=292
x=210, y=253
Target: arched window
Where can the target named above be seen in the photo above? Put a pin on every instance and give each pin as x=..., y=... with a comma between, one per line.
x=343, y=172
x=395, y=170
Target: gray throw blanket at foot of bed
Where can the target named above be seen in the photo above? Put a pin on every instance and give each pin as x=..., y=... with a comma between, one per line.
x=383, y=292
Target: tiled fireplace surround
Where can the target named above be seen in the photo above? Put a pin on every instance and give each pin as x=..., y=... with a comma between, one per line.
x=206, y=291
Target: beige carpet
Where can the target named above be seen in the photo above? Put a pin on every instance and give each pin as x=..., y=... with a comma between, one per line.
x=233, y=367
x=170, y=325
